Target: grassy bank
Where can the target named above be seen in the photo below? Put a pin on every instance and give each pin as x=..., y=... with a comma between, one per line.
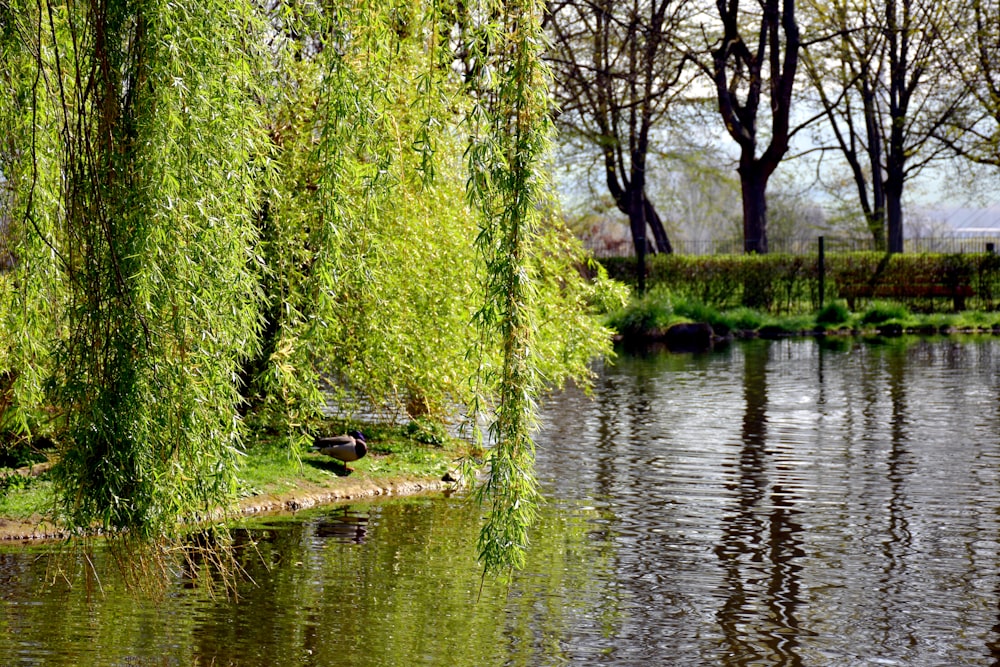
x=653, y=315
x=399, y=460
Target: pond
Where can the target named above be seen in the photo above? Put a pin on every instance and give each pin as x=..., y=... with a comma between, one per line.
x=773, y=503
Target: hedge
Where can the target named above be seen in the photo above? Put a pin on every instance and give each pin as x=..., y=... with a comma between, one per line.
x=785, y=283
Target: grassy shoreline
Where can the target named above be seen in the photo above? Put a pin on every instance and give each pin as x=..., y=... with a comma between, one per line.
x=657, y=317
x=271, y=480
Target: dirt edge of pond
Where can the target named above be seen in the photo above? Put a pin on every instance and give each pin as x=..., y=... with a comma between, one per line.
x=311, y=495
x=305, y=496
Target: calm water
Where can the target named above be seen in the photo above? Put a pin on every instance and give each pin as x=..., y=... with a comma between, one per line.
x=771, y=504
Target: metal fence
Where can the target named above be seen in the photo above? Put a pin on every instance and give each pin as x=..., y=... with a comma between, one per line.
x=807, y=246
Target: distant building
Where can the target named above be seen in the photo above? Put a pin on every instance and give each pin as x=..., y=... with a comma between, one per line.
x=968, y=222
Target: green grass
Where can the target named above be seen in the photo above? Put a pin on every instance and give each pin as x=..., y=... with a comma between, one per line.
x=882, y=312
x=696, y=311
x=394, y=453
x=25, y=498
x=649, y=312
x=835, y=313
x=745, y=319
x=794, y=324
x=657, y=310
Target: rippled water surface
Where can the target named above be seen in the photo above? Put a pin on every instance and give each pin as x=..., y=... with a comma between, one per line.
x=775, y=503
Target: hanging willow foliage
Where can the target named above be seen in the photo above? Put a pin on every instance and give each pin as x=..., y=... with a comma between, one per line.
x=511, y=132
x=368, y=249
x=30, y=301
x=152, y=136
x=366, y=259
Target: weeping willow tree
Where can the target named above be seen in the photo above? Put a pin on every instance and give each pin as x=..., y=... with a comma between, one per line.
x=366, y=237
x=143, y=149
x=381, y=272
x=225, y=214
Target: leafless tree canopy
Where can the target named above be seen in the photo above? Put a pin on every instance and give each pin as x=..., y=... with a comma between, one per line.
x=889, y=87
x=754, y=62
x=974, y=59
x=618, y=67
x=887, y=93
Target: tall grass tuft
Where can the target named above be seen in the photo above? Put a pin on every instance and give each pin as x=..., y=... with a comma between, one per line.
x=882, y=311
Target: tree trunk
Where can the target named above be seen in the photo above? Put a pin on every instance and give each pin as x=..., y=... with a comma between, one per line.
x=894, y=219
x=753, y=183
x=895, y=178
x=875, y=215
x=637, y=221
x=656, y=224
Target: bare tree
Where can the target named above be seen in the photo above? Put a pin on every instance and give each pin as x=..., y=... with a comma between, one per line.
x=617, y=70
x=748, y=75
x=975, y=132
x=886, y=93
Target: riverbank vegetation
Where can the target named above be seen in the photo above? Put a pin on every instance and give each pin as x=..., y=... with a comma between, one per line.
x=650, y=318
x=781, y=295
x=417, y=456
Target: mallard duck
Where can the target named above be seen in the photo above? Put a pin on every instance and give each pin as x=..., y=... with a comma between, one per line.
x=344, y=448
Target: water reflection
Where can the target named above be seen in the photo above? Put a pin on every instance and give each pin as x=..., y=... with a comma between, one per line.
x=818, y=503
x=759, y=548
x=343, y=525
x=774, y=503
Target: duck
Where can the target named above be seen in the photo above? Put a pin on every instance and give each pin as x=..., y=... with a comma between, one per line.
x=344, y=448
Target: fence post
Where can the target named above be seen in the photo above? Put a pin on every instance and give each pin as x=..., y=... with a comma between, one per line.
x=821, y=261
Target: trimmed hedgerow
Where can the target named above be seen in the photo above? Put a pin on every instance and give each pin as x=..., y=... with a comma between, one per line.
x=783, y=283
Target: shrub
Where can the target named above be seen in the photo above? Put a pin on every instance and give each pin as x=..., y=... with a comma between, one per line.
x=651, y=311
x=833, y=313
x=881, y=311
